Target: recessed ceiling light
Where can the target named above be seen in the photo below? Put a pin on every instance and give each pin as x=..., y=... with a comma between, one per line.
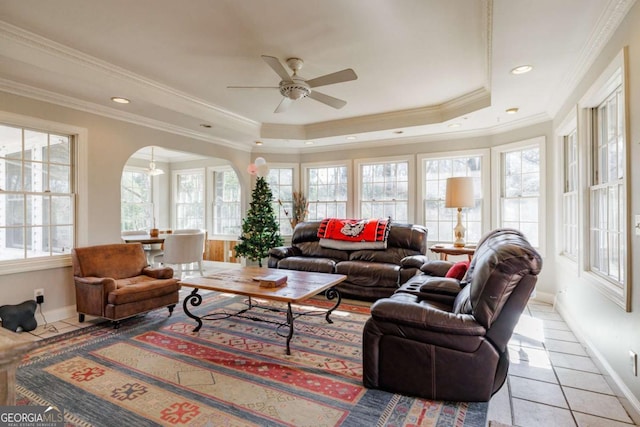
x=258, y=142
x=521, y=69
x=204, y=125
x=454, y=125
x=120, y=100
x=511, y=110
x=351, y=138
x=308, y=143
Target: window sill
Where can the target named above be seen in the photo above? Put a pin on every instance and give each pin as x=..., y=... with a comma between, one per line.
x=34, y=264
x=613, y=292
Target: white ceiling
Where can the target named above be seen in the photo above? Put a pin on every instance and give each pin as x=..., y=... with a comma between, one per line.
x=422, y=65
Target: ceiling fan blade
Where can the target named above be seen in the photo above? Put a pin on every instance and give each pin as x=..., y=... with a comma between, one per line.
x=252, y=87
x=275, y=64
x=284, y=105
x=326, y=99
x=337, y=77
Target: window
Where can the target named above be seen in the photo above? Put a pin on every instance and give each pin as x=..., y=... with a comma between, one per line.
x=327, y=191
x=520, y=194
x=384, y=190
x=603, y=110
x=439, y=220
x=570, y=195
x=607, y=189
x=227, y=215
x=189, y=199
x=281, y=183
x=136, y=200
x=37, y=213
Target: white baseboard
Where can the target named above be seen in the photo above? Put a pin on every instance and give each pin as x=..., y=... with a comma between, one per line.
x=603, y=363
x=544, y=297
x=58, y=314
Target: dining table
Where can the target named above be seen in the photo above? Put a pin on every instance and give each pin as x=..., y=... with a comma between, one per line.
x=145, y=239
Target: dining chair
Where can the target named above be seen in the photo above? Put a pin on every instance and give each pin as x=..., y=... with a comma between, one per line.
x=182, y=249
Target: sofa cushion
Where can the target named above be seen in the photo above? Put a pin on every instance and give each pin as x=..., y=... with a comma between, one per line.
x=313, y=249
x=301, y=263
x=389, y=256
x=458, y=270
x=141, y=288
x=437, y=268
x=368, y=274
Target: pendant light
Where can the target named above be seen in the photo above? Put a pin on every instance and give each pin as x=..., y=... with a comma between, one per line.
x=152, y=171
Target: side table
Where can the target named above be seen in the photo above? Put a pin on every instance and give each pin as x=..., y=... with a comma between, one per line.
x=446, y=250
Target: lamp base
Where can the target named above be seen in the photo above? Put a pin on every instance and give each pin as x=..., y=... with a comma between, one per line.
x=458, y=231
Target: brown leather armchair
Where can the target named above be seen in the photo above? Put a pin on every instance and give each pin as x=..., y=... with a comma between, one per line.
x=453, y=348
x=115, y=282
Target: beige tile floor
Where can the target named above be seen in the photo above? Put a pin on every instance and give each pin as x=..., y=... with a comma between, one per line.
x=552, y=380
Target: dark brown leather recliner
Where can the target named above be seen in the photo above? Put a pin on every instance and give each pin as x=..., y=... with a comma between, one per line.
x=423, y=342
x=115, y=282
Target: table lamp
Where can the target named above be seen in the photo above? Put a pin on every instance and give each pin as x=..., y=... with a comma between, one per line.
x=459, y=195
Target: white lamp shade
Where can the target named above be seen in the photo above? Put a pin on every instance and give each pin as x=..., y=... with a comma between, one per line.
x=459, y=192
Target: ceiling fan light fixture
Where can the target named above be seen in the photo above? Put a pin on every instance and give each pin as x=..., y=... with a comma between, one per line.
x=294, y=90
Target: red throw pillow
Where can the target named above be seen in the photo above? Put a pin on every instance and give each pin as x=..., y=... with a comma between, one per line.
x=458, y=270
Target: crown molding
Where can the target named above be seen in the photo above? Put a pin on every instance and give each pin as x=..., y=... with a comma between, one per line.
x=409, y=140
x=465, y=104
x=29, y=47
x=604, y=30
x=20, y=89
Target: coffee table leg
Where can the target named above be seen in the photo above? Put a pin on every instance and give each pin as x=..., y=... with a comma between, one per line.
x=195, y=299
x=330, y=294
x=290, y=322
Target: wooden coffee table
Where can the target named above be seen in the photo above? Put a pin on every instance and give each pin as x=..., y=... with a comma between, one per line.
x=300, y=286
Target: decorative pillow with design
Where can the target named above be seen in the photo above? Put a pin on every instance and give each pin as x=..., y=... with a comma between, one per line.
x=458, y=270
x=354, y=234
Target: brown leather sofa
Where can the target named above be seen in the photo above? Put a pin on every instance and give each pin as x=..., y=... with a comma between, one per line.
x=115, y=282
x=371, y=273
x=434, y=341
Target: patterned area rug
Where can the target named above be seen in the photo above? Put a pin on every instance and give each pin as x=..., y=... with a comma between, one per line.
x=234, y=372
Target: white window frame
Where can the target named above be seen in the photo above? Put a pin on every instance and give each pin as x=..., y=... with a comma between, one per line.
x=568, y=127
x=497, y=179
x=279, y=210
x=174, y=193
x=79, y=183
x=411, y=174
x=613, y=76
x=211, y=182
x=485, y=177
x=305, y=181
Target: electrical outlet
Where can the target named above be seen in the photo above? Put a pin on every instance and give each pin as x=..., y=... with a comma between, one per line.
x=633, y=359
x=38, y=295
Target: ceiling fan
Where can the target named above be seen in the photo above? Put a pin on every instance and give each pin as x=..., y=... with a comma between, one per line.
x=295, y=87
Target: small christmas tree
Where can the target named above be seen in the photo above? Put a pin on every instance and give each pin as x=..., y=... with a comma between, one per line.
x=260, y=231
